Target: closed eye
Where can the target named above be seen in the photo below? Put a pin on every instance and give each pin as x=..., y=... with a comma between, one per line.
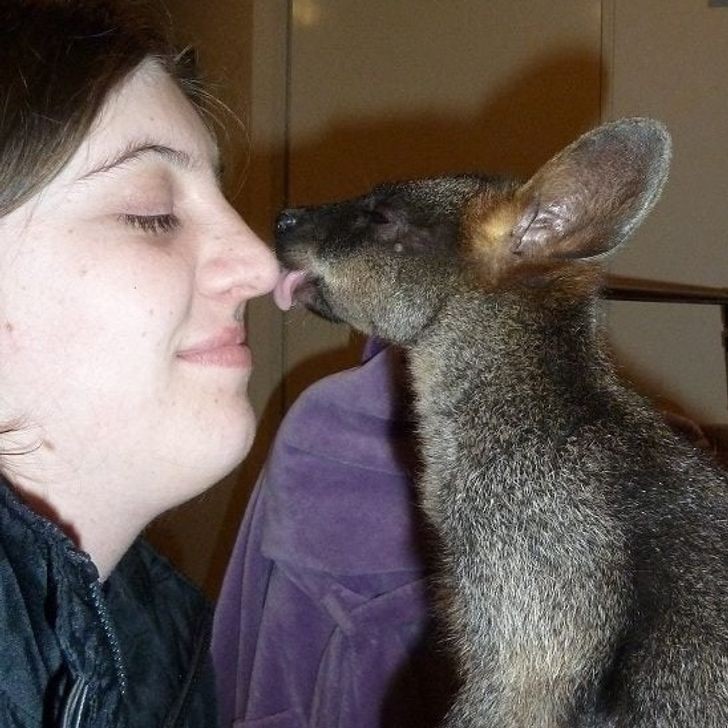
x=155, y=224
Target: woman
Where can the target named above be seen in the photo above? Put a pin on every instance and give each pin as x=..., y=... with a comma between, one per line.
x=123, y=278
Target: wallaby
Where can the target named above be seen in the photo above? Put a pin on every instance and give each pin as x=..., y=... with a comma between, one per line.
x=585, y=547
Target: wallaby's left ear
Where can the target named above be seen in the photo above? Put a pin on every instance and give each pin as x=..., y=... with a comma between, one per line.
x=590, y=197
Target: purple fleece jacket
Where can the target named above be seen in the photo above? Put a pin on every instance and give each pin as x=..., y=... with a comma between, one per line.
x=324, y=616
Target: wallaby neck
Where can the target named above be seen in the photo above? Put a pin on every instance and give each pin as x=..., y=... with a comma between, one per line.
x=528, y=360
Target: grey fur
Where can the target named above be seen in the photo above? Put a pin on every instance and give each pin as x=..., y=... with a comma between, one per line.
x=584, y=546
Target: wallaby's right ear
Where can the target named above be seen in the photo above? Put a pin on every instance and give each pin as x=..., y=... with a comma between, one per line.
x=589, y=198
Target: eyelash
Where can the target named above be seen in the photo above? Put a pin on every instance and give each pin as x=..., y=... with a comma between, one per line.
x=154, y=224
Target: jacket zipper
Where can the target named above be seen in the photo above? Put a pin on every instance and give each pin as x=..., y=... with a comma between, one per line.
x=73, y=712
x=110, y=636
x=75, y=705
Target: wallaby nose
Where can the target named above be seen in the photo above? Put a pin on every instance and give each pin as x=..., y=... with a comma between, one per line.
x=286, y=221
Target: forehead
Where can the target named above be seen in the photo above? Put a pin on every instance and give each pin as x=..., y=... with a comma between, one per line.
x=147, y=106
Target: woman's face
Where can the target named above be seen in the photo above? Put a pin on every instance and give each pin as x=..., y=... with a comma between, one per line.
x=122, y=359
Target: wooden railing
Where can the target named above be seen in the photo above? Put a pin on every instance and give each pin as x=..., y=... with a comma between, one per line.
x=619, y=288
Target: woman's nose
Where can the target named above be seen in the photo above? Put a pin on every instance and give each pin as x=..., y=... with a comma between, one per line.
x=239, y=265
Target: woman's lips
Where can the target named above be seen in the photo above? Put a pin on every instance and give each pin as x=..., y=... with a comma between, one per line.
x=232, y=355
x=225, y=349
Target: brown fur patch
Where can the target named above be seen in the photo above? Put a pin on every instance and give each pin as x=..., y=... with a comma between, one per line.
x=487, y=247
x=488, y=222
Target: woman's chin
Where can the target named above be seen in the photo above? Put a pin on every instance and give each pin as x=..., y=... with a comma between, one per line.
x=218, y=445
x=225, y=452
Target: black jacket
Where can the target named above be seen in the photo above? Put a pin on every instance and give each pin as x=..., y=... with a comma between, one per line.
x=75, y=653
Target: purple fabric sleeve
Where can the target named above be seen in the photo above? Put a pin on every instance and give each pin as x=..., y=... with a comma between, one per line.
x=324, y=618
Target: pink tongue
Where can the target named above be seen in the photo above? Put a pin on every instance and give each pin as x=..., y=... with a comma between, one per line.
x=286, y=286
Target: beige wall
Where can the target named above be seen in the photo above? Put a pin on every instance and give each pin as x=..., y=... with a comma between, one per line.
x=352, y=92
x=669, y=59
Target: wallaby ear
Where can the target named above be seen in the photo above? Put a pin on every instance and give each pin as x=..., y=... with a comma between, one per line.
x=591, y=196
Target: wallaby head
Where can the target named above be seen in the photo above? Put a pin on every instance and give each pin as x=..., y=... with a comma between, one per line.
x=387, y=262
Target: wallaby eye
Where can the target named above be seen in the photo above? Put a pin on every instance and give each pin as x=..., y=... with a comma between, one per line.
x=378, y=218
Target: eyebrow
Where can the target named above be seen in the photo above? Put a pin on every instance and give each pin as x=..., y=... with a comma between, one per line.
x=136, y=150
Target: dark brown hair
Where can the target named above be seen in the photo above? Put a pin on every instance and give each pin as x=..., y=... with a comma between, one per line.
x=59, y=59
